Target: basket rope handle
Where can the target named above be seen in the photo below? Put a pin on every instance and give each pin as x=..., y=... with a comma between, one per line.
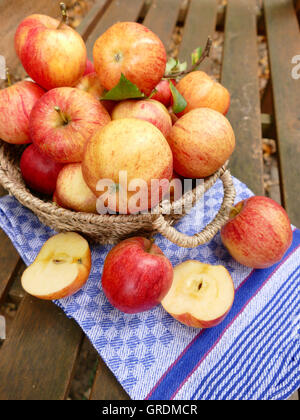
x=162, y=226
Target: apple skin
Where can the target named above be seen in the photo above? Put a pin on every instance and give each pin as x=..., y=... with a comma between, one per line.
x=64, y=142
x=52, y=57
x=148, y=110
x=39, y=172
x=258, y=233
x=136, y=275
x=201, y=91
x=201, y=142
x=16, y=103
x=132, y=49
x=72, y=192
x=164, y=94
x=89, y=68
x=131, y=145
x=190, y=321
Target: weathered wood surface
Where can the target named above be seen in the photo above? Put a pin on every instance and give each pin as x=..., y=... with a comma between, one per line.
x=39, y=355
x=284, y=42
x=240, y=76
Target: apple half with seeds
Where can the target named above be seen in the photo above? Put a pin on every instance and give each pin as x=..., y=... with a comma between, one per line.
x=61, y=268
x=201, y=294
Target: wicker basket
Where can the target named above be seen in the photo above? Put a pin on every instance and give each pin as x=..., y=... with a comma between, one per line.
x=110, y=229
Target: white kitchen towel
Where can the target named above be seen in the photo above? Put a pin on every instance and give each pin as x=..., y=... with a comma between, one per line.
x=253, y=354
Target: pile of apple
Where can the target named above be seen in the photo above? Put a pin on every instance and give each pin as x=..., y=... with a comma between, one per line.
x=130, y=111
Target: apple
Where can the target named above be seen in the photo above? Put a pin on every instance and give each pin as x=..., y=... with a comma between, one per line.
x=89, y=68
x=136, y=275
x=53, y=54
x=135, y=147
x=72, y=191
x=132, y=49
x=149, y=110
x=63, y=120
x=90, y=83
x=39, y=172
x=16, y=103
x=201, y=294
x=258, y=233
x=201, y=142
x=201, y=91
x=164, y=94
x=61, y=268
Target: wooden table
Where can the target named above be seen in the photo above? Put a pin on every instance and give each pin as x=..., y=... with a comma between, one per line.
x=38, y=358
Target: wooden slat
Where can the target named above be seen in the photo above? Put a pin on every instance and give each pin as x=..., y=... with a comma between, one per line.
x=161, y=19
x=105, y=386
x=38, y=357
x=116, y=12
x=240, y=76
x=11, y=14
x=92, y=18
x=284, y=43
x=200, y=23
x=9, y=259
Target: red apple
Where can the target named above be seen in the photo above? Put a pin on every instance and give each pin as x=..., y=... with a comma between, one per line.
x=258, y=233
x=201, y=294
x=148, y=110
x=136, y=275
x=89, y=68
x=53, y=55
x=132, y=49
x=201, y=142
x=201, y=91
x=16, y=103
x=164, y=94
x=63, y=120
x=39, y=172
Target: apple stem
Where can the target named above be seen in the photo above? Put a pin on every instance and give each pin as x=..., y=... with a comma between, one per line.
x=57, y=109
x=8, y=78
x=64, y=19
x=205, y=54
x=233, y=212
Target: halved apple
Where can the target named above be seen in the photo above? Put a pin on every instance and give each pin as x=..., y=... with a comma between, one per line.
x=61, y=268
x=201, y=294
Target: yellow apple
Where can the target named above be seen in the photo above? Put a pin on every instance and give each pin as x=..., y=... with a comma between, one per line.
x=72, y=191
x=61, y=268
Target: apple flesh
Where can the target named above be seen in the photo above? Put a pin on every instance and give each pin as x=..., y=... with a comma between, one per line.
x=61, y=268
x=16, y=103
x=201, y=142
x=39, y=172
x=72, y=192
x=258, y=233
x=148, y=110
x=201, y=294
x=63, y=120
x=132, y=49
x=136, y=275
x=135, y=147
x=201, y=91
x=53, y=55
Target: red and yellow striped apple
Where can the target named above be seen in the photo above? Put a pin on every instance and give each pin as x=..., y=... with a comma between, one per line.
x=53, y=54
x=132, y=49
x=201, y=294
x=201, y=142
x=63, y=120
x=136, y=275
x=201, y=91
x=148, y=110
x=16, y=103
x=258, y=233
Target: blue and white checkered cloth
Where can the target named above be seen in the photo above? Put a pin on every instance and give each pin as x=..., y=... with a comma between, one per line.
x=253, y=354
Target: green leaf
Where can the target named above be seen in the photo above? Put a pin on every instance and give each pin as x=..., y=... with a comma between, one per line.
x=174, y=66
x=179, y=103
x=196, y=55
x=124, y=90
x=170, y=65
